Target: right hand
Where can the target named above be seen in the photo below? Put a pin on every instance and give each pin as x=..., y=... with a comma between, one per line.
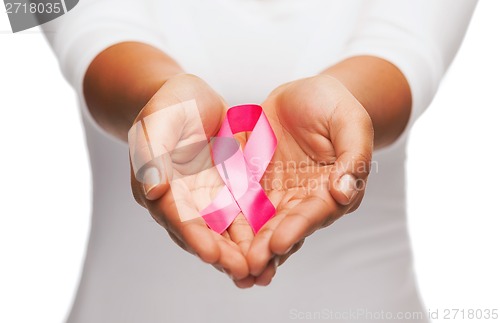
x=181, y=167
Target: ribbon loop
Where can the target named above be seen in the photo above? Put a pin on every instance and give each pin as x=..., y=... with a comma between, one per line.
x=242, y=171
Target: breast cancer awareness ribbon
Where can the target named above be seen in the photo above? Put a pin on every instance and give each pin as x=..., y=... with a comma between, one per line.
x=242, y=170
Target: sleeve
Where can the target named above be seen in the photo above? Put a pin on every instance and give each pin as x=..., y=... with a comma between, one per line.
x=420, y=37
x=92, y=26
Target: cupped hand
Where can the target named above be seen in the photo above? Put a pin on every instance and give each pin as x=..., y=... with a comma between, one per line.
x=319, y=170
x=172, y=173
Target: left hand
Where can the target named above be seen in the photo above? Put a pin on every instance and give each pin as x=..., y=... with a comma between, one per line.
x=319, y=170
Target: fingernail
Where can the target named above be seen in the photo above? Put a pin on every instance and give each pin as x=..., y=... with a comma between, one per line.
x=151, y=179
x=347, y=185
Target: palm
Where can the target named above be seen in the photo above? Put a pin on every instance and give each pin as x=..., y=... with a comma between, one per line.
x=171, y=137
x=321, y=129
x=294, y=174
x=300, y=168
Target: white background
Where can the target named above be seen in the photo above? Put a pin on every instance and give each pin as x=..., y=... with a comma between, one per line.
x=45, y=180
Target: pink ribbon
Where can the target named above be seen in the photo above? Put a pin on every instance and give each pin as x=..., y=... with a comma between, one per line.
x=242, y=171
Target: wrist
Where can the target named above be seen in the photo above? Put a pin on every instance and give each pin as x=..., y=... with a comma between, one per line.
x=121, y=80
x=381, y=89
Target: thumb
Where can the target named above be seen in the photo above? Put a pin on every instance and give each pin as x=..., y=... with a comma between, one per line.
x=170, y=131
x=150, y=161
x=351, y=133
x=153, y=140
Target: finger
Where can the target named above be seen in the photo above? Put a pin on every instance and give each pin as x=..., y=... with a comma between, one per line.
x=265, y=278
x=198, y=239
x=296, y=247
x=151, y=182
x=190, y=231
x=351, y=133
x=302, y=220
x=259, y=253
x=241, y=233
x=231, y=259
x=269, y=272
x=153, y=139
x=246, y=282
x=226, y=235
x=214, y=249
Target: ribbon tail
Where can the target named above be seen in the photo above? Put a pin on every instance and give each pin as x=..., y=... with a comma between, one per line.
x=221, y=219
x=221, y=212
x=256, y=207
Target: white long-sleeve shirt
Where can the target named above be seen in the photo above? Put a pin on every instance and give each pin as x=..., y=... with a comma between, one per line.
x=361, y=266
